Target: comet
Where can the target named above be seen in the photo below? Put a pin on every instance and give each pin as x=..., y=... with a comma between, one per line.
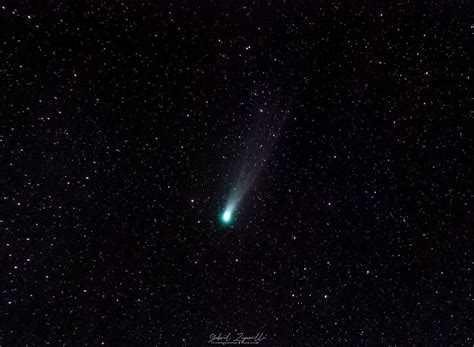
x=256, y=149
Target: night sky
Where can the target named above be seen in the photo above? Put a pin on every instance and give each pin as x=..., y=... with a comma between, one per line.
x=126, y=126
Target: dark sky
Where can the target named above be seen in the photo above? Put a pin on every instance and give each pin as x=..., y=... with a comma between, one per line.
x=122, y=124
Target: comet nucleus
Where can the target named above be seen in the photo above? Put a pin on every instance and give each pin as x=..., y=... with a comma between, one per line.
x=227, y=216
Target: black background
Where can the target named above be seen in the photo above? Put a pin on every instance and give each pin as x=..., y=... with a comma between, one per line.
x=120, y=129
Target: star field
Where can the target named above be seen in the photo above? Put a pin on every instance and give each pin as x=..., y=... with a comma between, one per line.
x=123, y=125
